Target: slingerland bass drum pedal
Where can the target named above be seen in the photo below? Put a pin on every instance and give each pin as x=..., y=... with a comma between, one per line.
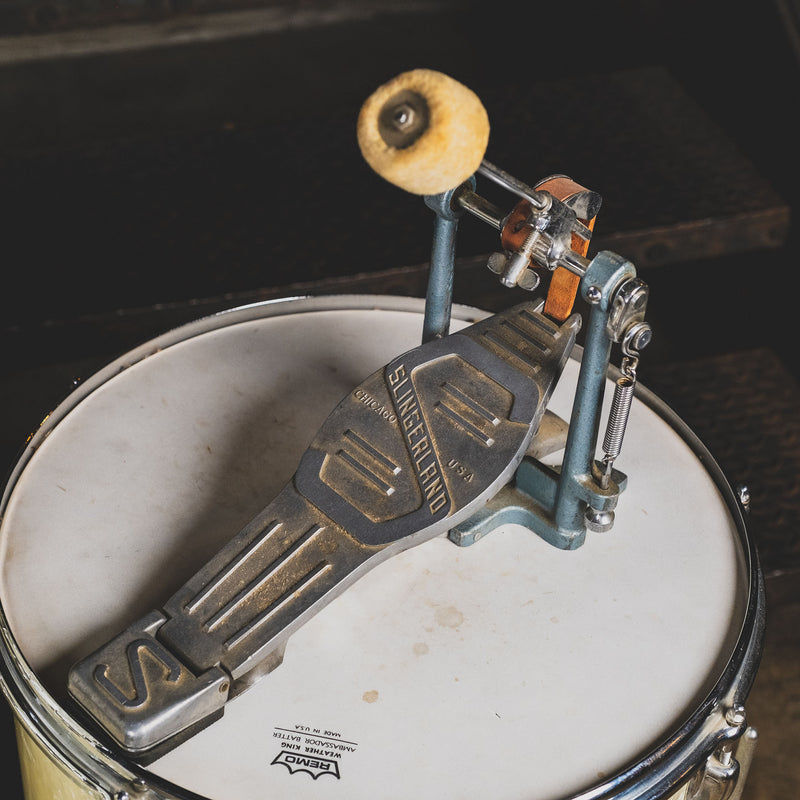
x=220, y=545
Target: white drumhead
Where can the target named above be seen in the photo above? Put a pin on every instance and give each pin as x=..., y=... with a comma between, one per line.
x=508, y=669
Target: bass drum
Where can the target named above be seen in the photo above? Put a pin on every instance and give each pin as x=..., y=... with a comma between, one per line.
x=507, y=669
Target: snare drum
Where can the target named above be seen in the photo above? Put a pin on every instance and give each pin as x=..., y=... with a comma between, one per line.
x=507, y=669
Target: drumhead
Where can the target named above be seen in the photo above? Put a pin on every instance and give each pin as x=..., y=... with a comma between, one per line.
x=508, y=669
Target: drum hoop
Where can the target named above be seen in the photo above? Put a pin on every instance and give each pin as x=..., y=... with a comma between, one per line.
x=655, y=775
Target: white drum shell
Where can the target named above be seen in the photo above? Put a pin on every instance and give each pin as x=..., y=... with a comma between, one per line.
x=508, y=669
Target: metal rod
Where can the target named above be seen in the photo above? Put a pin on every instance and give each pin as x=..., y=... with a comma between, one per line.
x=439, y=297
x=574, y=263
x=584, y=423
x=481, y=208
x=501, y=177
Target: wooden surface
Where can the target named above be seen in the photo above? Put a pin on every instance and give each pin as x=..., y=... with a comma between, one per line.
x=259, y=211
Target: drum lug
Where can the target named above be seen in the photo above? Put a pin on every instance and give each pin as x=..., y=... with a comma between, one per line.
x=137, y=790
x=724, y=774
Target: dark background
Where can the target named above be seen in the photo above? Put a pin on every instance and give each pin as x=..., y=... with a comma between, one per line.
x=163, y=159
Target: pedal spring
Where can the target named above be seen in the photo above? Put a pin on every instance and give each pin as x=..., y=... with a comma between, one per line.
x=618, y=417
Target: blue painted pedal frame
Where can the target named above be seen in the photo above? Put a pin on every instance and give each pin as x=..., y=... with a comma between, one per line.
x=552, y=503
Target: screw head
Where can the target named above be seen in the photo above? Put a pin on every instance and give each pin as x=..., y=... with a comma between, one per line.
x=743, y=495
x=599, y=521
x=529, y=280
x=497, y=263
x=735, y=716
x=594, y=295
x=636, y=337
x=643, y=338
x=403, y=116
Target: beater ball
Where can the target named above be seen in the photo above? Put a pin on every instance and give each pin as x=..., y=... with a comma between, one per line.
x=423, y=131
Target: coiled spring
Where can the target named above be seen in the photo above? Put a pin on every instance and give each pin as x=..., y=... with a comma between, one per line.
x=618, y=416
